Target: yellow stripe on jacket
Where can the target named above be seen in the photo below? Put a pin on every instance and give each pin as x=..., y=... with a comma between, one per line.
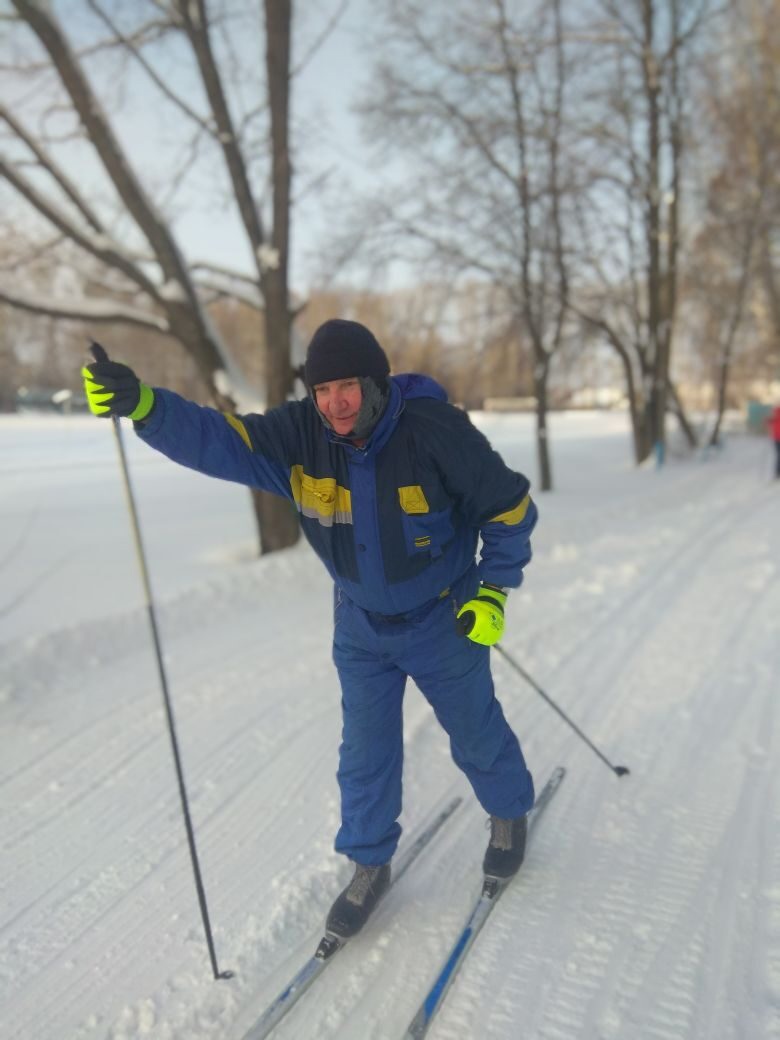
x=239, y=427
x=512, y=516
x=321, y=498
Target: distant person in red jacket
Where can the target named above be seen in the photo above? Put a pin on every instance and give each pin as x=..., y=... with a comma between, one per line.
x=773, y=422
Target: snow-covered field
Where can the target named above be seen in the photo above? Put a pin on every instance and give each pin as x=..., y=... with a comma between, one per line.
x=648, y=908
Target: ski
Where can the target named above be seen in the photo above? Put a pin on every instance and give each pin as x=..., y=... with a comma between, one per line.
x=330, y=945
x=492, y=889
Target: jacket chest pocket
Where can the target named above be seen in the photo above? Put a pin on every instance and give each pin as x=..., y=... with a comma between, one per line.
x=425, y=530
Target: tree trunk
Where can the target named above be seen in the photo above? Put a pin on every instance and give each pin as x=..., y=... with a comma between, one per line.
x=639, y=407
x=736, y=315
x=278, y=519
x=682, y=418
x=542, y=440
x=723, y=380
x=657, y=395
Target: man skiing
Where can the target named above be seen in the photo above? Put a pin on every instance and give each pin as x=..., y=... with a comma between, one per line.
x=394, y=487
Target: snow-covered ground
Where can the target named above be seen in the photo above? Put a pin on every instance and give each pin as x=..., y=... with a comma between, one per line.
x=648, y=908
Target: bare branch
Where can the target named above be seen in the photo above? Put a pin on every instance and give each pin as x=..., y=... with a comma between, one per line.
x=19, y=261
x=432, y=99
x=194, y=18
x=147, y=33
x=320, y=40
x=616, y=11
x=131, y=46
x=48, y=163
x=229, y=291
x=533, y=315
x=105, y=142
x=98, y=244
x=680, y=39
x=88, y=310
x=227, y=272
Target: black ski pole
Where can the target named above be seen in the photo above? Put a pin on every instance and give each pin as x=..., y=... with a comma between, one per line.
x=617, y=770
x=100, y=354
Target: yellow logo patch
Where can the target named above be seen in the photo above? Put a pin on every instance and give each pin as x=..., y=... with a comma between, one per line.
x=413, y=500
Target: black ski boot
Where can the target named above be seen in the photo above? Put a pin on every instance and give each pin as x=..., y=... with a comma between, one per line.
x=354, y=906
x=506, y=848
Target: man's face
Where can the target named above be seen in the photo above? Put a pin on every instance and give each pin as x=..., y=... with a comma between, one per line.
x=339, y=401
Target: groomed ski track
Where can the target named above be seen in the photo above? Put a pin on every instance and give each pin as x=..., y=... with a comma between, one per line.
x=648, y=907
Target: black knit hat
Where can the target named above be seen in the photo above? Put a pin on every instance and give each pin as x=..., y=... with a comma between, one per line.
x=341, y=349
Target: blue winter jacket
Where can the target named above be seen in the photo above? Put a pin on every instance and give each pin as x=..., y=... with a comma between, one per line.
x=397, y=521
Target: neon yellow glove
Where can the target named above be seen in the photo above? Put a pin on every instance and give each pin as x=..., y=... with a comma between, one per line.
x=115, y=389
x=482, y=619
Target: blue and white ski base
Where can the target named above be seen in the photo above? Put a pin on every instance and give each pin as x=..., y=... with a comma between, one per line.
x=330, y=944
x=492, y=890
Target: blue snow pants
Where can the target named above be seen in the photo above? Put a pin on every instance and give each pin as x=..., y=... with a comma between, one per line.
x=374, y=656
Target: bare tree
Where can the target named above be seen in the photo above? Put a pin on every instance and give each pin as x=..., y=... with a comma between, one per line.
x=731, y=273
x=757, y=22
x=151, y=283
x=473, y=97
x=631, y=219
